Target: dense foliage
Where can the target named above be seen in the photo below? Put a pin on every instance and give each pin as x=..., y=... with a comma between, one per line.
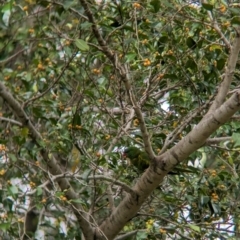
x=63, y=63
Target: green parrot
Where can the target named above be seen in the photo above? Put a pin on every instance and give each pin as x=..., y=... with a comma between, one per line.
x=140, y=160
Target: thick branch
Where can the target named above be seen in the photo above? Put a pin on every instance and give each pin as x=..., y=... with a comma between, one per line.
x=230, y=68
x=154, y=175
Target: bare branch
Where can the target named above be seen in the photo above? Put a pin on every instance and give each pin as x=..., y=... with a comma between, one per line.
x=124, y=186
x=11, y=57
x=70, y=8
x=228, y=75
x=11, y=121
x=218, y=30
x=218, y=140
x=122, y=130
x=128, y=234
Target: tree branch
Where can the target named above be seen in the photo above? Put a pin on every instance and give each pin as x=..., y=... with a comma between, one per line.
x=211, y=141
x=128, y=235
x=228, y=75
x=11, y=57
x=11, y=121
x=51, y=162
x=154, y=175
x=123, y=72
x=218, y=30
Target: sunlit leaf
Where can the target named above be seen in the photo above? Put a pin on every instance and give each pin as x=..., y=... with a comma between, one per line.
x=207, y=6
x=194, y=227
x=82, y=45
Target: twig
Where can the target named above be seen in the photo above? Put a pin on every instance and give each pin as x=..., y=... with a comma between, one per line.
x=129, y=235
x=11, y=57
x=211, y=141
x=124, y=186
x=173, y=135
x=122, y=130
x=11, y=121
x=218, y=30
x=71, y=9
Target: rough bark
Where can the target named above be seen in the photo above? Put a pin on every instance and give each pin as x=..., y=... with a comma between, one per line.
x=154, y=175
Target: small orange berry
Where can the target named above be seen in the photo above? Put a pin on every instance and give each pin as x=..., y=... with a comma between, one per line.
x=222, y=8
x=25, y=8
x=20, y=220
x=2, y=172
x=107, y=137
x=40, y=66
x=67, y=43
x=136, y=5
x=31, y=30
x=135, y=122
x=98, y=154
x=162, y=231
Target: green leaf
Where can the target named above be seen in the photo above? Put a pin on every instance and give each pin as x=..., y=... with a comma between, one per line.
x=236, y=139
x=234, y=11
x=204, y=200
x=235, y=20
x=194, y=227
x=207, y=6
x=24, y=132
x=69, y=4
x=76, y=119
x=78, y=201
x=191, y=43
x=131, y=56
x=13, y=190
x=156, y=5
x=216, y=208
x=86, y=25
x=39, y=191
x=35, y=87
x=7, y=7
x=220, y=64
x=86, y=174
x=5, y=226
x=141, y=235
x=82, y=45
x=12, y=157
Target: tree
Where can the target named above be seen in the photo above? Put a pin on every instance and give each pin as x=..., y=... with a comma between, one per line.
x=81, y=81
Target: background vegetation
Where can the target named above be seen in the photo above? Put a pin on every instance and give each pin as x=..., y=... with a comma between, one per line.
x=82, y=80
